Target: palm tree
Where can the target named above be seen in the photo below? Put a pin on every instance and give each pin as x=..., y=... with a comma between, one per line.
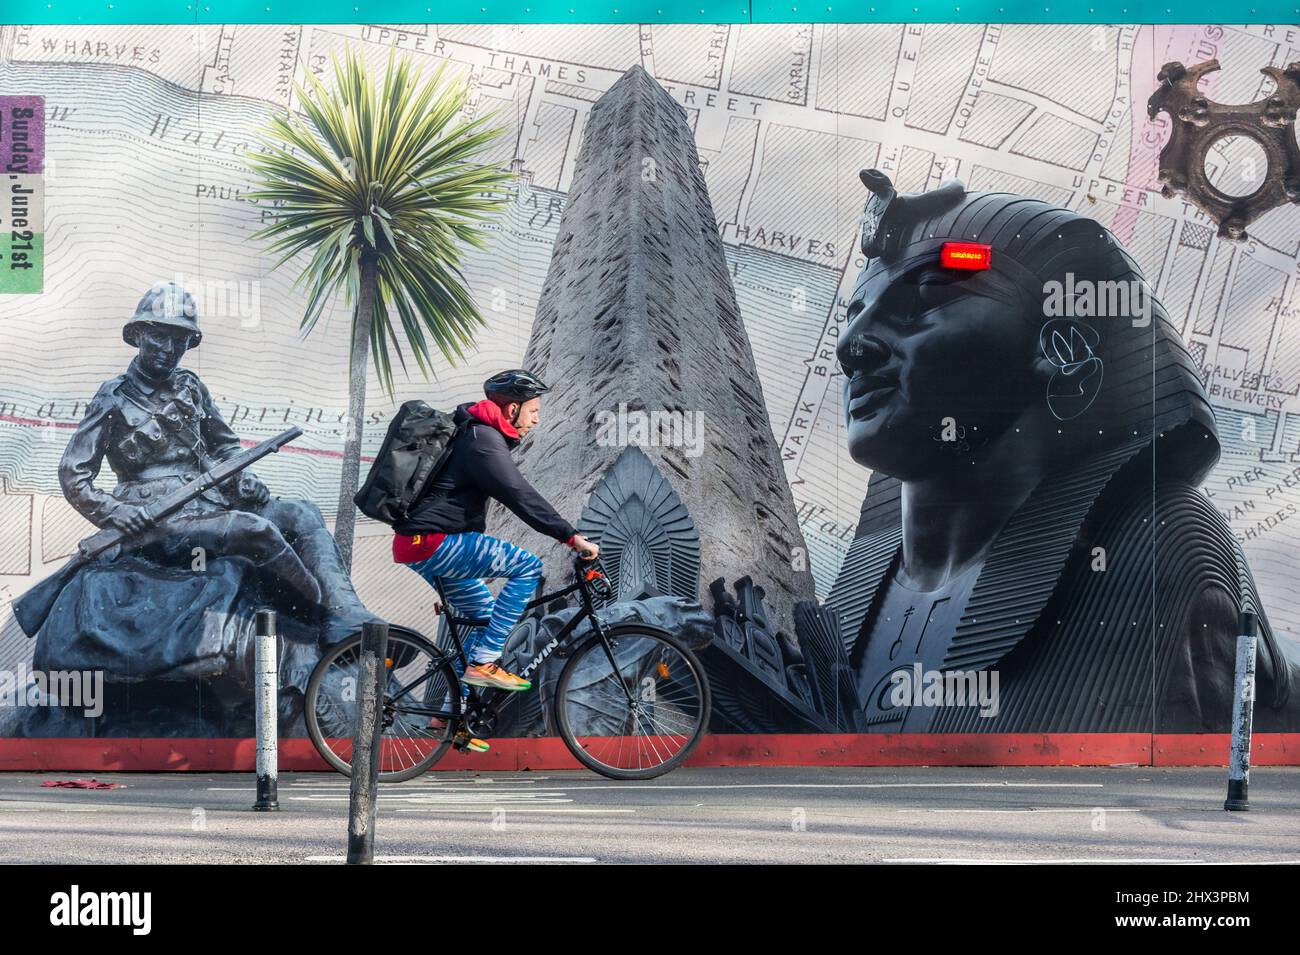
x=381, y=185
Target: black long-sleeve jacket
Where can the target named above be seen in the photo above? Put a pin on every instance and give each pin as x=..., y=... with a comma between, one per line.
x=480, y=467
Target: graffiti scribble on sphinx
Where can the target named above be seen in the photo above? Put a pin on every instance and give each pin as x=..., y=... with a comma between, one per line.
x=1070, y=347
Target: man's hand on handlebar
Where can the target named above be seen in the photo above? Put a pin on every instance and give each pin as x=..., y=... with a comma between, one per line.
x=587, y=550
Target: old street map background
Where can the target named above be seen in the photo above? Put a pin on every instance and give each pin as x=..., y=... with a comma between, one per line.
x=145, y=125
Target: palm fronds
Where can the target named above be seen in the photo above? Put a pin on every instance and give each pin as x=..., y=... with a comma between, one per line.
x=387, y=171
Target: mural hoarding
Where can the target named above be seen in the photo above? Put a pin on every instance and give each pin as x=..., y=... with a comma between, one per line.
x=864, y=479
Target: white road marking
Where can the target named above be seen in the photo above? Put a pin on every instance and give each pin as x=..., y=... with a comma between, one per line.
x=653, y=787
x=487, y=808
x=52, y=808
x=1086, y=809
x=493, y=859
x=1070, y=861
x=432, y=779
x=501, y=799
x=388, y=787
x=332, y=793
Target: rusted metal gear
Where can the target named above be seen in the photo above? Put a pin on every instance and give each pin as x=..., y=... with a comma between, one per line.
x=1199, y=123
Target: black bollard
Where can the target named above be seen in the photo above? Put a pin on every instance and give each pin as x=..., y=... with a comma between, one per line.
x=267, y=665
x=372, y=675
x=1243, y=712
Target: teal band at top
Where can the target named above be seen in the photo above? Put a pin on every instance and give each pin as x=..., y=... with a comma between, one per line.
x=638, y=11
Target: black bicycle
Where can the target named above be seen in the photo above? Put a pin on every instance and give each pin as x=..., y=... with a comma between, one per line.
x=631, y=702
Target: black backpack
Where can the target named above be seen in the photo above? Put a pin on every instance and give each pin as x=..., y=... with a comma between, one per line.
x=416, y=447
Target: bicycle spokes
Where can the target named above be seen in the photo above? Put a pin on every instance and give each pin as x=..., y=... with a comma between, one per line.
x=416, y=715
x=639, y=712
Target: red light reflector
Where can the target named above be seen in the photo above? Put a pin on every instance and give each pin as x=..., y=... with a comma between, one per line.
x=965, y=255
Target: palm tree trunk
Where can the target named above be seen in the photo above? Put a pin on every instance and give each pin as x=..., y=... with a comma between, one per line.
x=345, y=523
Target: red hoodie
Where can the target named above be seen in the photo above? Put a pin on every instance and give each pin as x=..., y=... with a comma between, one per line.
x=413, y=548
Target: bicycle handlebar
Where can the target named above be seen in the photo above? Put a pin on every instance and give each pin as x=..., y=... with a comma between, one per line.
x=589, y=573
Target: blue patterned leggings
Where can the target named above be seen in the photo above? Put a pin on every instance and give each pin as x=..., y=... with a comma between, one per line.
x=463, y=561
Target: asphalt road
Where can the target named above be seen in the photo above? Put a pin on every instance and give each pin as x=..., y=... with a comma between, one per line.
x=753, y=814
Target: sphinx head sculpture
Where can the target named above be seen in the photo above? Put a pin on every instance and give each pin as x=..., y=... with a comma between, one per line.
x=1021, y=366
x=1037, y=433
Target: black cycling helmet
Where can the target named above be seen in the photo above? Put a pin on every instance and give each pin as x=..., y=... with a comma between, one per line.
x=516, y=384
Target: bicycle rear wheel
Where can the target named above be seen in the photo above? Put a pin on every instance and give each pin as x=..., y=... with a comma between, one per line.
x=639, y=718
x=410, y=745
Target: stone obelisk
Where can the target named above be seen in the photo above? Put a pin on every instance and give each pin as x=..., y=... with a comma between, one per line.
x=656, y=431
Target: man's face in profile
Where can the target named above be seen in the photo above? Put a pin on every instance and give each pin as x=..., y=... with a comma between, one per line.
x=529, y=414
x=923, y=346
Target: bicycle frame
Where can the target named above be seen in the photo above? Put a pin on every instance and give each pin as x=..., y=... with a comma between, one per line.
x=455, y=622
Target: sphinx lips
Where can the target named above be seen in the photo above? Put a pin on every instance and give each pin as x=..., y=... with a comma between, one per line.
x=870, y=400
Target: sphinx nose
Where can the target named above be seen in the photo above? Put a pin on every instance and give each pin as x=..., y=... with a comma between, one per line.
x=859, y=350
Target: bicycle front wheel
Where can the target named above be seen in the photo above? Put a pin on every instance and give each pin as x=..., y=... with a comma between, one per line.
x=420, y=711
x=634, y=709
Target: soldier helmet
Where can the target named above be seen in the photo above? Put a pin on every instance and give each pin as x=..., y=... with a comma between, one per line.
x=165, y=304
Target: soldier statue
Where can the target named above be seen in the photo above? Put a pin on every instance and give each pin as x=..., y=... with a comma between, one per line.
x=158, y=428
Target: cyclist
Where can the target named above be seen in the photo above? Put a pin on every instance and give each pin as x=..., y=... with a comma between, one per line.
x=443, y=535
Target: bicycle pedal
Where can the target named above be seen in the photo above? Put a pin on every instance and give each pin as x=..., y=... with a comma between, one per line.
x=471, y=744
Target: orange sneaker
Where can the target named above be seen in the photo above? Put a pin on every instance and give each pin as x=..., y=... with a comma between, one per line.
x=489, y=674
x=461, y=739
x=464, y=742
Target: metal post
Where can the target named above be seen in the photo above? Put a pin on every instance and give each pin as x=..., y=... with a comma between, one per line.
x=267, y=668
x=372, y=674
x=1243, y=711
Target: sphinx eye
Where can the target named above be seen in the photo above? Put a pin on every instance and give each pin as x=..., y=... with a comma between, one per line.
x=900, y=302
x=936, y=293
